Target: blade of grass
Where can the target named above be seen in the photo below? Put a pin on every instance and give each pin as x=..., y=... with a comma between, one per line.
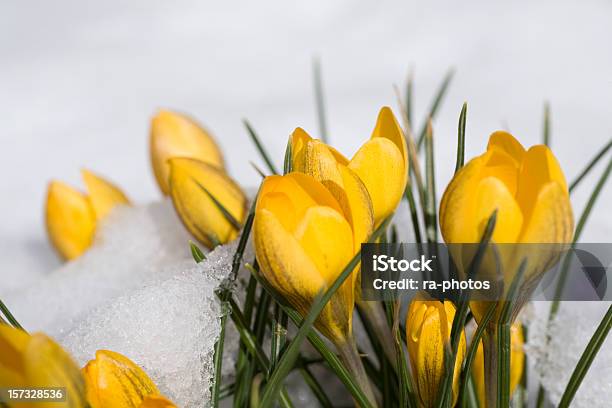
x=196, y=252
x=590, y=166
x=546, y=125
x=431, y=222
x=226, y=214
x=504, y=343
x=258, y=170
x=225, y=295
x=288, y=163
x=450, y=356
x=435, y=105
x=317, y=342
x=260, y=148
x=290, y=356
x=315, y=387
x=471, y=354
x=319, y=99
x=409, y=95
x=461, y=138
x=9, y=316
x=589, y=354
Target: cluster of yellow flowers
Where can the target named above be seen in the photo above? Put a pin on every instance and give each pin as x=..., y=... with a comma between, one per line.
x=308, y=225
x=109, y=380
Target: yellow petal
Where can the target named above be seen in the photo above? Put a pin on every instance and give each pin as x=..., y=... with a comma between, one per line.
x=504, y=142
x=70, y=220
x=289, y=196
x=113, y=380
x=539, y=168
x=517, y=363
x=380, y=165
x=551, y=219
x=37, y=361
x=103, y=195
x=388, y=128
x=176, y=135
x=156, y=401
x=195, y=207
x=491, y=194
x=290, y=270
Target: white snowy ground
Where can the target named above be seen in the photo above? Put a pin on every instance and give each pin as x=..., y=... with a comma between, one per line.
x=79, y=81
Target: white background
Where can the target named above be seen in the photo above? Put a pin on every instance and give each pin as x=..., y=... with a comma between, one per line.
x=80, y=80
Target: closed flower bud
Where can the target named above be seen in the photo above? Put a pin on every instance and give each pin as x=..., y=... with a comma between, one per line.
x=428, y=329
x=517, y=363
x=381, y=164
x=199, y=190
x=303, y=242
x=37, y=361
x=113, y=380
x=71, y=216
x=529, y=192
x=176, y=135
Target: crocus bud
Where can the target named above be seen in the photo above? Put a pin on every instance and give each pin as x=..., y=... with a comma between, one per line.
x=529, y=192
x=71, y=216
x=199, y=190
x=37, y=361
x=428, y=330
x=176, y=135
x=517, y=363
x=381, y=164
x=113, y=380
x=303, y=242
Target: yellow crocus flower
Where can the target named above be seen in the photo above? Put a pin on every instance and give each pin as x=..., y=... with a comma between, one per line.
x=526, y=187
x=177, y=135
x=302, y=243
x=428, y=329
x=37, y=361
x=381, y=164
x=194, y=187
x=517, y=363
x=71, y=216
x=530, y=194
x=113, y=380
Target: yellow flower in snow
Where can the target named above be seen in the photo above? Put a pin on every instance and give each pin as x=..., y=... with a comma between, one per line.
x=176, y=135
x=71, y=216
x=194, y=187
x=381, y=164
x=113, y=380
x=517, y=363
x=37, y=361
x=428, y=329
x=303, y=242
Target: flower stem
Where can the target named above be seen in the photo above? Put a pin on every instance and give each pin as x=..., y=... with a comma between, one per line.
x=350, y=357
x=489, y=342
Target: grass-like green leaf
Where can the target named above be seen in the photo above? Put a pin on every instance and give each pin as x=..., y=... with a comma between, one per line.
x=504, y=338
x=586, y=359
x=409, y=96
x=317, y=342
x=196, y=252
x=260, y=147
x=431, y=222
x=9, y=316
x=288, y=163
x=590, y=166
x=445, y=391
x=319, y=99
x=546, y=125
x=461, y=138
x=471, y=353
x=226, y=214
x=435, y=105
